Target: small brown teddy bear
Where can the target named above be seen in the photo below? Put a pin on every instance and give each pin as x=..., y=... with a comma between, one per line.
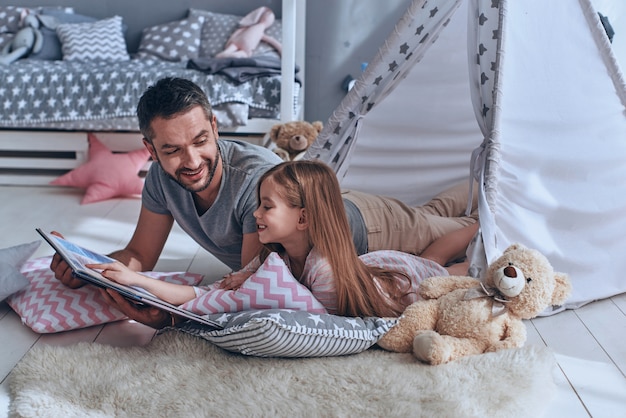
x=291, y=139
x=460, y=316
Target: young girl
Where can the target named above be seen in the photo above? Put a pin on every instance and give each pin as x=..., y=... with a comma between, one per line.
x=301, y=217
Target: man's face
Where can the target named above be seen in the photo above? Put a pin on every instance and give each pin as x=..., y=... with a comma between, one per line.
x=186, y=148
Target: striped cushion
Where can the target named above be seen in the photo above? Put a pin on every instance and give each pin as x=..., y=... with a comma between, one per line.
x=272, y=286
x=288, y=333
x=48, y=306
x=100, y=40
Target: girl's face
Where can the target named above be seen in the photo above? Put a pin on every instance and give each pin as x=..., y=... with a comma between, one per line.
x=277, y=221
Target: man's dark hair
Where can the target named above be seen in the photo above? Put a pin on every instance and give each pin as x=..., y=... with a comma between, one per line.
x=167, y=98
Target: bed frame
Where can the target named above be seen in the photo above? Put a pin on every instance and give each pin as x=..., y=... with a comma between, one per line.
x=35, y=157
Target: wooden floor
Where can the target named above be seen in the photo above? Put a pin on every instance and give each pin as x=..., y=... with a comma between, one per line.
x=589, y=343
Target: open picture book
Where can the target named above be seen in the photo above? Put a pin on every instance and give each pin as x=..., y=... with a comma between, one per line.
x=77, y=257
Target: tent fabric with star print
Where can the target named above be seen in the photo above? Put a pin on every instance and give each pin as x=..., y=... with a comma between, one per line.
x=525, y=97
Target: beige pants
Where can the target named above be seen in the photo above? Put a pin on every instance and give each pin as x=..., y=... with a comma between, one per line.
x=393, y=225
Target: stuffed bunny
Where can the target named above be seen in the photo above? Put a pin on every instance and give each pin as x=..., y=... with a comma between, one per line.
x=28, y=40
x=251, y=32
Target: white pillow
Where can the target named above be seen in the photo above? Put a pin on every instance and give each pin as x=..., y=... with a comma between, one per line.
x=101, y=40
x=11, y=261
x=288, y=333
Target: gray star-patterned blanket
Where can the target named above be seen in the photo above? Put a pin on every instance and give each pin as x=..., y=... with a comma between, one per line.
x=34, y=93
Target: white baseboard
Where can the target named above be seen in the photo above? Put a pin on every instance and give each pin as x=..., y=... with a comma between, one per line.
x=38, y=157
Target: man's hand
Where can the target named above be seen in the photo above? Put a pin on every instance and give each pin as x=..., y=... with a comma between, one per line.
x=148, y=315
x=62, y=270
x=233, y=281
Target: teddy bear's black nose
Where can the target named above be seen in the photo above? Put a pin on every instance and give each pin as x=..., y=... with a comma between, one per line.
x=510, y=271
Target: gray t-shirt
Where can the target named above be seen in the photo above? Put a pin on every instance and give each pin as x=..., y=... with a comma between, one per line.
x=357, y=226
x=220, y=229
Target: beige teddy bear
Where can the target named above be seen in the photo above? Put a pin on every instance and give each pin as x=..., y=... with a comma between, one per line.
x=291, y=139
x=460, y=316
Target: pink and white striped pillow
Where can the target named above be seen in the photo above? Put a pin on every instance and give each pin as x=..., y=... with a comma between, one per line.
x=272, y=286
x=48, y=306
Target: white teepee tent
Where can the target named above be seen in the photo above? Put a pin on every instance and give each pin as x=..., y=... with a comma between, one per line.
x=527, y=97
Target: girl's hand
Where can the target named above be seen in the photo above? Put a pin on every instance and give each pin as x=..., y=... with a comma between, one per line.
x=233, y=281
x=116, y=271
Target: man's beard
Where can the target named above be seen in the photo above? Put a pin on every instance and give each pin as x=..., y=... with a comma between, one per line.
x=198, y=188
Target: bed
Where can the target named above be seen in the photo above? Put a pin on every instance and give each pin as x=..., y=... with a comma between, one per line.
x=48, y=105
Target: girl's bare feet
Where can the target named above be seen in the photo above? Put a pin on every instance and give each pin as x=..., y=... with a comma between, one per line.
x=458, y=269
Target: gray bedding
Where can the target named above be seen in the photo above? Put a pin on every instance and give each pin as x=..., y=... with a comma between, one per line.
x=104, y=95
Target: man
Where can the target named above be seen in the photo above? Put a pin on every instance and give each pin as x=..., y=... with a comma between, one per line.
x=209, y=188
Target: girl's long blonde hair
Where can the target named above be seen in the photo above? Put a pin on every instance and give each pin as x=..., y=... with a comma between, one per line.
x=314, y=186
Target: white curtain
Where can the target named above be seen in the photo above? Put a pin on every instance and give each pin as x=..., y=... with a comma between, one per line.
x=558, y=140
x=524, y=96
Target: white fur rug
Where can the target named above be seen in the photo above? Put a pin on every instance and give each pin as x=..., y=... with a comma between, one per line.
x=178, y=375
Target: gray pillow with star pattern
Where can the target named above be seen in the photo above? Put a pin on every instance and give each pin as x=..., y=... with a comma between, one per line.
x=10, y=18
x=174, y=41
x=289, y=333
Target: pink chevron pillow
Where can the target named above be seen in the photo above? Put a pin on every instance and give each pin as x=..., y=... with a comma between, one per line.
x=48, y=306
x=272, y=286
